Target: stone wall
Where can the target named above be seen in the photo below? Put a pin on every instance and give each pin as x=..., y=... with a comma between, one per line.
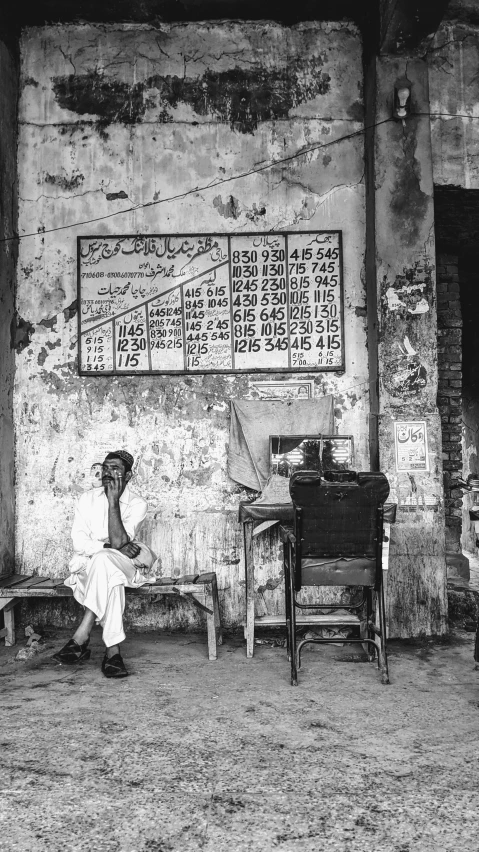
x=179, y=117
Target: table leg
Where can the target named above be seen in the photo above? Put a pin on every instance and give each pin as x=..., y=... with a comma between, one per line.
x=249, y=577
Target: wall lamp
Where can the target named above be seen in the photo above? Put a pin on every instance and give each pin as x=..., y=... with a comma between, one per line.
x=402, y=99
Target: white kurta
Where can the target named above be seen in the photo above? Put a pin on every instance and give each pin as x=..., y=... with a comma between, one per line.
x=98, y=574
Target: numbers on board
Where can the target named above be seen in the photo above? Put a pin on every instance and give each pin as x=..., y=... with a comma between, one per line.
x=274, y=302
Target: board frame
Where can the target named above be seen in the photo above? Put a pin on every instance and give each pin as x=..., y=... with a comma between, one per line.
x=230, y=371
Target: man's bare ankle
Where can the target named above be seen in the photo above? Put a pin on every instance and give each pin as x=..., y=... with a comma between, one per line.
x=80, y=638
x=110, y=652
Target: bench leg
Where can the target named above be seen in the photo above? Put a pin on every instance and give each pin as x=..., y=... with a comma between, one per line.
x=7, y=605
x=216, y=612
x=210, y=621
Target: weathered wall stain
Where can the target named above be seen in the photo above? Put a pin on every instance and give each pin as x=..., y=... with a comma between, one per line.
x=63, y=181
x=256, y=212
x=42, y=356
x=409, y=204
x=240, y=97
x=243, y=98
x=356, y=111
x=93, y=94
x=20, y=333
x=230, y=209
x=270, y=585
x=70, y=311
x=114, y=196
x=27, y=270
x=49, y=322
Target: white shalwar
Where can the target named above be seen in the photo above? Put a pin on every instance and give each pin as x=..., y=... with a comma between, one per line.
x=99, y=575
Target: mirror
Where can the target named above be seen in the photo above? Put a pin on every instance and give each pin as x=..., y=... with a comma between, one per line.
x=289, y=453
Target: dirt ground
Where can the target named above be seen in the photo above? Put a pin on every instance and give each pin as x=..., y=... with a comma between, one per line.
x=188, y=754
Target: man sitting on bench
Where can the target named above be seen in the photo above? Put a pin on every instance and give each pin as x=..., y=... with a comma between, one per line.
x=107, y=558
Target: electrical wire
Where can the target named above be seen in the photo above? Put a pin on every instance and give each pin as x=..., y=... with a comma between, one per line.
x=239, y=176
x=212, y=185
x=222, y=181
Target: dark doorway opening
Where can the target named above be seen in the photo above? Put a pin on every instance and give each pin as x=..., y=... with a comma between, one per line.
x=457, y=249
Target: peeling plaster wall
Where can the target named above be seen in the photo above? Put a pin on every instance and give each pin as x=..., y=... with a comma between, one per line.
x=8, y=261
x=453, y=59
x=117, y=116
x=416, y=583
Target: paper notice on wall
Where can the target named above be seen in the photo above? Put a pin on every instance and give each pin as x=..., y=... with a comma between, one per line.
x=410, y=442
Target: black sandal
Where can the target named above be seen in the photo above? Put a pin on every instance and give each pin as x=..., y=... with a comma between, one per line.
x=114, y=666
x=72, y=653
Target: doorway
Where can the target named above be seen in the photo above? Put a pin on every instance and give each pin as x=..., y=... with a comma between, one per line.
x=457, y=249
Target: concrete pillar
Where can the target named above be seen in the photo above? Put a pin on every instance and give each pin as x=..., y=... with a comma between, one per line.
x=407, y=348
x=8, y=260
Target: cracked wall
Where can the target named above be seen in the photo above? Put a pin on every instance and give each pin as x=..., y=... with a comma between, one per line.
x=453, y=59
x=8, y=260
x=113, y=117
x=407, y=328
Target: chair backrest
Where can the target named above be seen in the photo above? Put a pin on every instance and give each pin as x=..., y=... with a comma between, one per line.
x=338, y=518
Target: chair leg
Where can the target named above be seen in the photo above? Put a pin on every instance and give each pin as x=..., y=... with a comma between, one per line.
x=293, y=648
x=286, y=552
x=369, y=615
x=383, y=657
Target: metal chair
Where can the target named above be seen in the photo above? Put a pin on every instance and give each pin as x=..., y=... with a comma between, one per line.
x=337, y=541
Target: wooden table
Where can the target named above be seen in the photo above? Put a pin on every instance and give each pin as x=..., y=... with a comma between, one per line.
x=249, y=513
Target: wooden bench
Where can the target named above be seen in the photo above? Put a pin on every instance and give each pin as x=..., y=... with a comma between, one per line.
x=200, y=589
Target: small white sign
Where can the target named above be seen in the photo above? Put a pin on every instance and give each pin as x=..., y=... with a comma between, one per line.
x=410, y=441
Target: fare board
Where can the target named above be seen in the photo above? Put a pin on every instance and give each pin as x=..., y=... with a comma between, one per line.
x=210, y=303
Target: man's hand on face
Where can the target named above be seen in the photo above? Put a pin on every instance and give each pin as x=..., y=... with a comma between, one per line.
x=113, y=487
x=114, y=479
x=130, y=549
